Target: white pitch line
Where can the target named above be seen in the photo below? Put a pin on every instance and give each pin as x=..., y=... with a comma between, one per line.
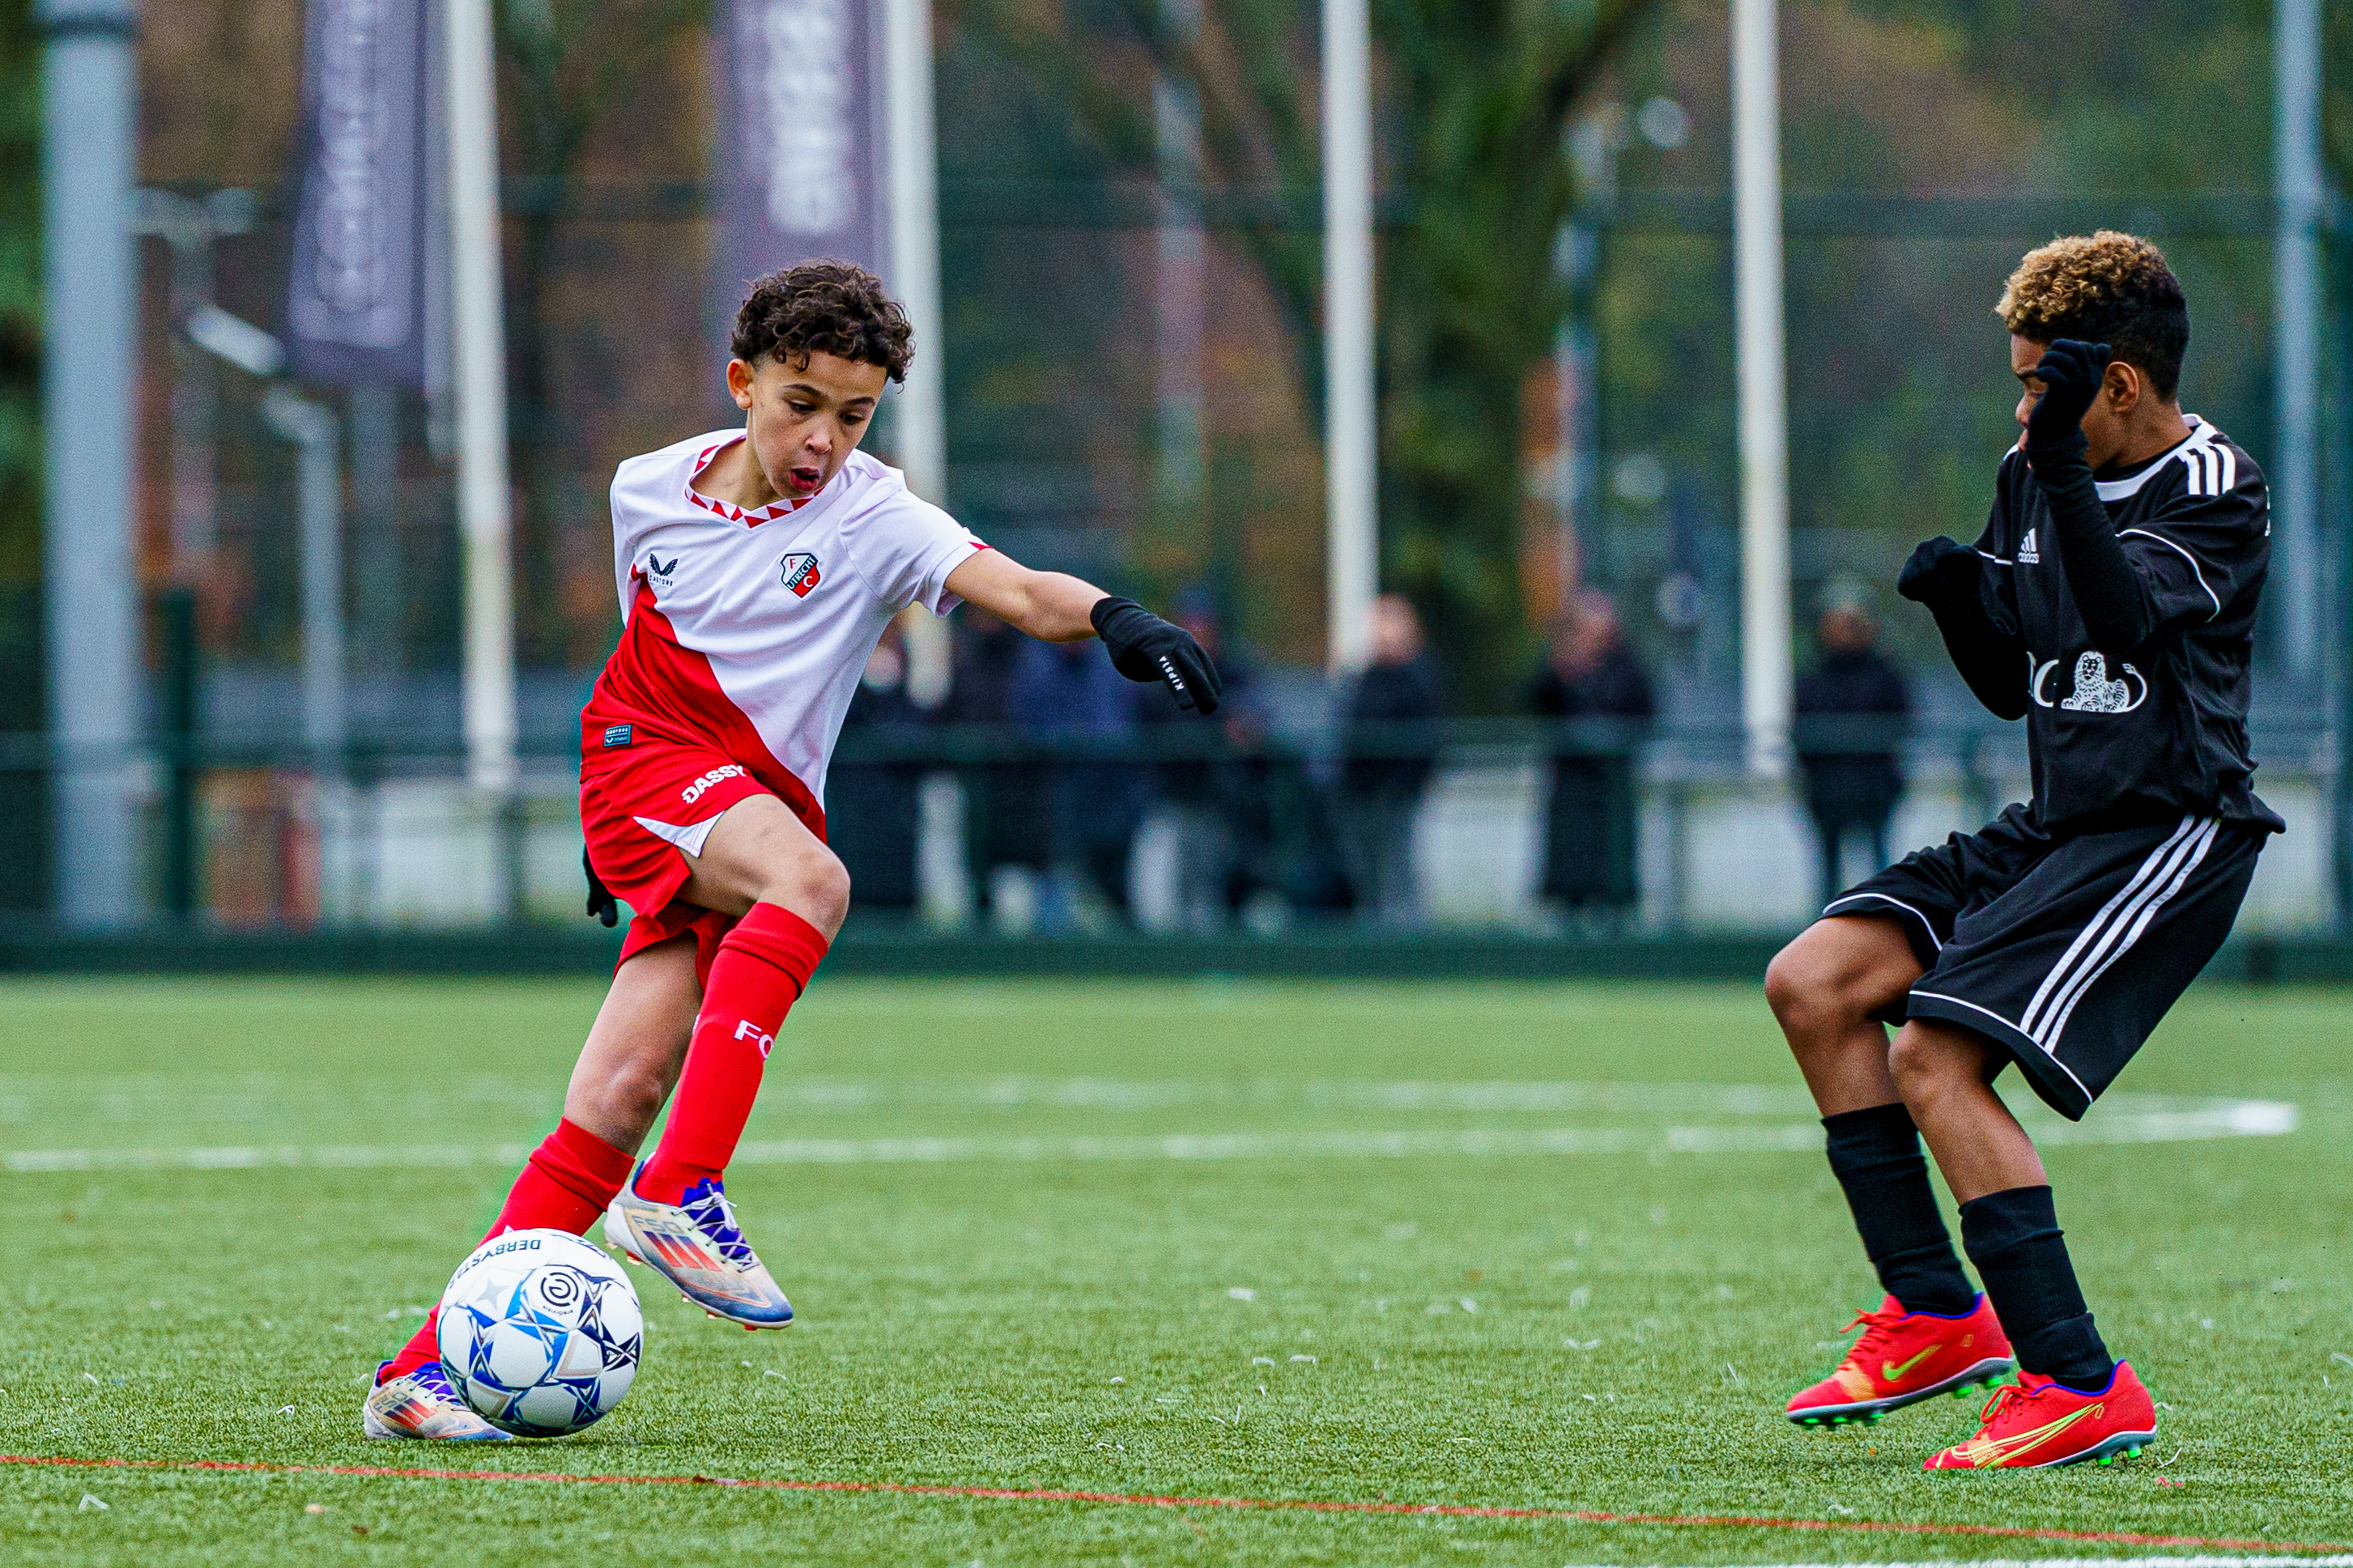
x=2226, y=1118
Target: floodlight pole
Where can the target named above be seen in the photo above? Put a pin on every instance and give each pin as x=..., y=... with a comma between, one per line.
x=478, y=378
x=1180, y=272
x=1351, y=455
x=90, y=80
x=1766, y=676
x=920, y=421
x=2302, y=191
x=316, y=435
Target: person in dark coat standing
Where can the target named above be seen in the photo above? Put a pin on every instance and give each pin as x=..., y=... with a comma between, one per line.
x=1852, y=710
x=1389, y=730
x=1082, y=708
x=1596, y=691
x=873, y=797
x=1214, y=791
x=1006, y=814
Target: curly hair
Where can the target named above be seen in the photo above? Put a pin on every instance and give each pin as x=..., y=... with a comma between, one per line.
x=824, y=307
x=2111, y=288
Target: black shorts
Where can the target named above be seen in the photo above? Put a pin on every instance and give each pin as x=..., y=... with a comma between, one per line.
x=2065, y=951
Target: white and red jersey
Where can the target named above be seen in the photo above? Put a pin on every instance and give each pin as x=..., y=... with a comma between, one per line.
x=746, y=632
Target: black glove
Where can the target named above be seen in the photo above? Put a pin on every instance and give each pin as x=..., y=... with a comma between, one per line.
x=600, y=903
x=2071, y=373
x=1144, y=647
x=1940, y=571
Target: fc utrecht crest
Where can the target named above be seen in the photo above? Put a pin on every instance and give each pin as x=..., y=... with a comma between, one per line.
x=800, y=572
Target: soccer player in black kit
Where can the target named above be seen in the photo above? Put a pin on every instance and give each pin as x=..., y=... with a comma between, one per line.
x=2111, y=604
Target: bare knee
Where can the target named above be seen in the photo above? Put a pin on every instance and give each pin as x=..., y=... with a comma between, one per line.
x=1810, y=986
x=1836, y=976
x=1929, y=1062
x=630, y=1097
x=810, y=880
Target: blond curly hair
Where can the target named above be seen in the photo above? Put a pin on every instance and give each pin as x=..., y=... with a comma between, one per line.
x=2107, y=288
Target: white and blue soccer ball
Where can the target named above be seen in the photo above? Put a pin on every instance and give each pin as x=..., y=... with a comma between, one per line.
x=541, y=1332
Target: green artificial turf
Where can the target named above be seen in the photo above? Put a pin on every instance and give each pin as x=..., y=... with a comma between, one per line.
x=1005, y=1280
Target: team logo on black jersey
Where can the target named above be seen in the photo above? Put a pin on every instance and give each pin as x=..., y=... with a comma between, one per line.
x=800, y=574
x=2095, y=692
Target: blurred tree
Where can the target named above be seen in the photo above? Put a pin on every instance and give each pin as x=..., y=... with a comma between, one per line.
x=580, y=64
x=1473, y=98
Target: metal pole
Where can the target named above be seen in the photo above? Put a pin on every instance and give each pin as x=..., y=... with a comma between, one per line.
x=2295, y=481
x=1179, y=295
x=1764, y=672
x=479, y=361
x=920, y=421
x=376, y=577
x=1350, y=452
x=182, y=726
x=319, y=480
x=89, y=78
x=913, y=156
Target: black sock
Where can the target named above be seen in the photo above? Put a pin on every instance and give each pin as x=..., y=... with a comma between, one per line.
x=2013, y=1237
x=1875, y=1154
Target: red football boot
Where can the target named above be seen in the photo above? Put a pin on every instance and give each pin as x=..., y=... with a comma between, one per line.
x=1904, y=1358
x=2036, y=1421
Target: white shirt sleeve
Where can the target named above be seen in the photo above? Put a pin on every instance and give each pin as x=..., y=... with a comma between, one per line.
x=904, y=547
x=625, y=544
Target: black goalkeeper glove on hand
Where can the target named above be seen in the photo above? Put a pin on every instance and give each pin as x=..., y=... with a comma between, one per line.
x=1940, y=571
x=1144, y=647
x=2071, y=373
x=600, y=903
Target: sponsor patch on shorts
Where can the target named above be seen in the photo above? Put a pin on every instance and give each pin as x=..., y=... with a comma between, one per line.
x=617, y=735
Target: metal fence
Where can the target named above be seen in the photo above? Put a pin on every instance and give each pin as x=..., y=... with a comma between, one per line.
x=1575, y=831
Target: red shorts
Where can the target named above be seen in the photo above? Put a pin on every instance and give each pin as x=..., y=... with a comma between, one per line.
x=647, y=804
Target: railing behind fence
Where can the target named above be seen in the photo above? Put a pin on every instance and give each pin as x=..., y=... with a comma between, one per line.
x=1588, y=827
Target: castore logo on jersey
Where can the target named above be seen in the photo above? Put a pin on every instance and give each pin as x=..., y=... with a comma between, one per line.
x=659, y=570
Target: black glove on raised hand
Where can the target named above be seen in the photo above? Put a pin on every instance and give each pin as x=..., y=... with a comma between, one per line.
x=1941, y=571
x=1143, y=646
x=601, y=903
x=2070, y=372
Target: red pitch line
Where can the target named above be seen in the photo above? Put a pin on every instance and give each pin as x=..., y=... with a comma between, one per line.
x=1280, y=1505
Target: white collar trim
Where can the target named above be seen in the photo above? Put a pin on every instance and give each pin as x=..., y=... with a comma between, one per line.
x=2202, y=436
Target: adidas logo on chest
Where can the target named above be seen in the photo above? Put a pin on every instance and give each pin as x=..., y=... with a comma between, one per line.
x=2027, y=554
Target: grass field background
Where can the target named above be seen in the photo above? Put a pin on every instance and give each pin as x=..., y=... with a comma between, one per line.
x=1544, y=1246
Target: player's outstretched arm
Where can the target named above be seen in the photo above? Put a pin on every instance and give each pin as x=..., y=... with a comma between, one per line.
x=1054, y=606
x=1949, y=578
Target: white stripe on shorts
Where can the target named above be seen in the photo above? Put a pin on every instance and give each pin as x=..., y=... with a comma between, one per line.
x=2116, y=928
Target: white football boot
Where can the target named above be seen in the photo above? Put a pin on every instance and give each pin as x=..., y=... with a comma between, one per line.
x=697, y=1247
x=423, y=1405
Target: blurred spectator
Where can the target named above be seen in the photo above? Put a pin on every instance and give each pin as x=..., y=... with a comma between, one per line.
x=1005, y=824
x=1592, y=683
x=1068, y=695
x=1850, y=715
x=873, y=808
x=1215, y=792
x=1389, y=735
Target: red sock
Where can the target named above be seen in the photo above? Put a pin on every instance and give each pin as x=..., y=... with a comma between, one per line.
x=564, y=1185
x=763, y=967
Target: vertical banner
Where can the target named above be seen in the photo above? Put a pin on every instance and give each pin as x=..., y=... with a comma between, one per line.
x=804, y=156
x=358, y=308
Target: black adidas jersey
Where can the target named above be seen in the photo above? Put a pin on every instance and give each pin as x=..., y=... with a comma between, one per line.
x=2164, y=733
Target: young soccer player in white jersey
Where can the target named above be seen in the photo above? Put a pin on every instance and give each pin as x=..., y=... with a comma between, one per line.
x=757, y=569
